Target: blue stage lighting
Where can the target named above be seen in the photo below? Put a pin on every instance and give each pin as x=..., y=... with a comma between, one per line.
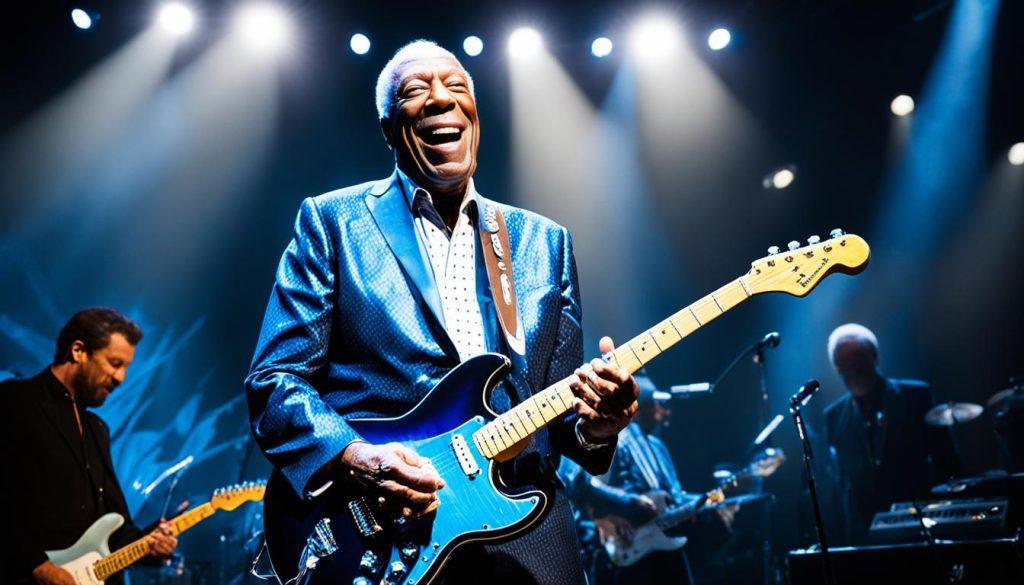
x=902, y=105
x=1016, y=154
x=176, y=18
x=601, y=47
x=473, y=45
x=360, y=44
x=81, y=19
x=524, y=43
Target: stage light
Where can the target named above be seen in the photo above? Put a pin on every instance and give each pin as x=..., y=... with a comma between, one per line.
x=176, y=18
x=601, y=47
x=264, y=27
x=719, y=39
x=81, y=19
x=524, y=43
x=902, y=105
x=1016, y=154
x=655, y=37
x=780, y=178
x=359, y=43
x=473, y=46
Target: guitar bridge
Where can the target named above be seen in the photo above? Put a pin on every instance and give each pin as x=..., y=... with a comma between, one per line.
x=366, y=523
x=464, y=456
x=319, y=545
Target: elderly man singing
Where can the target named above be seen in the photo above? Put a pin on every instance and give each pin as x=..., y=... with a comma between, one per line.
x=384, y=289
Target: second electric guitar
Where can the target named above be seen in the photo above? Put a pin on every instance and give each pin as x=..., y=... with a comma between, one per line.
x=465, y=440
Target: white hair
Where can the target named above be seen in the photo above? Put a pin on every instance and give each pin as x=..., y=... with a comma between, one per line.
x=852, y=331
x=387, y=81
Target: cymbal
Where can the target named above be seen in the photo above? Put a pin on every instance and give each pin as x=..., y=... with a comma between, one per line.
x=999, y=397
x=953, y=413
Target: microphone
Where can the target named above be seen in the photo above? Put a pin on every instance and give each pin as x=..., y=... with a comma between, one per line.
x=769, y=341
x=686, y=391
x=804, y=394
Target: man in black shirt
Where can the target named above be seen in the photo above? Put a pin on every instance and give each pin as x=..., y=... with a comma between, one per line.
x=882, y=449
x=60, y=478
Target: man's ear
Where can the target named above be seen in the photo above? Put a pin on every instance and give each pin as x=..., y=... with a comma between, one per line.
x=78, y=351
x=386, y=129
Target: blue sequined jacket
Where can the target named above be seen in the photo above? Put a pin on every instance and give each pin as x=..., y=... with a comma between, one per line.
x=354, y=327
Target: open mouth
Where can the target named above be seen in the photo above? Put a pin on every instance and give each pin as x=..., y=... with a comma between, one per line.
x=440, y=135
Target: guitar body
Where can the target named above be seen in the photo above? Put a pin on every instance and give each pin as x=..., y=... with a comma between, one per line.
x=647, y=538
x=474, y=506
x=93, y=545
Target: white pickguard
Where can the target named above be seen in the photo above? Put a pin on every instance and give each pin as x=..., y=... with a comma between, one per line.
x=79, y=558
x=646, y=539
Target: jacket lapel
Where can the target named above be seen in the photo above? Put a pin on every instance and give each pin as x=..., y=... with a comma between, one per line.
x=391, y=212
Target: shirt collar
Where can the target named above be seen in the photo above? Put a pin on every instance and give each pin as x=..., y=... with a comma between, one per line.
x=409, y=189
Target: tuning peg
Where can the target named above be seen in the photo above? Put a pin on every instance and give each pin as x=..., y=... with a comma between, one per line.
x=793, y=245
x=773, y=250
x=813, y=240
x=836, y=233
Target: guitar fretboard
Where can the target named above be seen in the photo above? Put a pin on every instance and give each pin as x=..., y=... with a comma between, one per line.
x=498, y=437
x=125, y=557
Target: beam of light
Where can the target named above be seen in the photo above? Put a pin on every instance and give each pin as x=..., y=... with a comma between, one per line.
x=359, y=43
x=655, y=37
x=719, y=39
x=924, y=193
x=266, y=28
x=902, y=105
x=176, y=18
x=51, y=154
x=524, y=43
x=1016, y=154
x=81, y=19
x=780, y=178
x=473, y=45
x=601, y=47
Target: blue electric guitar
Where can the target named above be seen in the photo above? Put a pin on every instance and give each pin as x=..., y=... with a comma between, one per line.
x=466, y=441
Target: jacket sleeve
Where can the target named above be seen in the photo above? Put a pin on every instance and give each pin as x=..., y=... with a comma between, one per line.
x=566, y=357
x=297, y=431
x=27, y=550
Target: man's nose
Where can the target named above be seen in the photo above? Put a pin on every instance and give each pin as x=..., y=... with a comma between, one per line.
x=440, y=98
x=119, y=375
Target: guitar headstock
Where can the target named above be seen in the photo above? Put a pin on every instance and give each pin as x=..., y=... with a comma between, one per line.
x=231, y=497
x=767, y=462
x=799, y=269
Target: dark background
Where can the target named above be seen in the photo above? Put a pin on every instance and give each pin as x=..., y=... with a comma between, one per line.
x=195, y=266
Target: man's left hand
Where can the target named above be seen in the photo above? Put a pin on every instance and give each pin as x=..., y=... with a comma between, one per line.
x=605, y=397
x=162, y=541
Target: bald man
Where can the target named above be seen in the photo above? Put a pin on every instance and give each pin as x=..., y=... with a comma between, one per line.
x=882, y=450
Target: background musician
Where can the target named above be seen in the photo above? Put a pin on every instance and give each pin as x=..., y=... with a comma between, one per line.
x=882, y=449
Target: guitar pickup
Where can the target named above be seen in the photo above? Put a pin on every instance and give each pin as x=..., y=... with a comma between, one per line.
x=464, y=456
x=364, y=519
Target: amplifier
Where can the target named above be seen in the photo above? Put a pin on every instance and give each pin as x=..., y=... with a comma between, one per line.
x=974, y=518
x=990, y=562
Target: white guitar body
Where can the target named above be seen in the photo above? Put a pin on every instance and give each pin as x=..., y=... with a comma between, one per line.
x=647, y=538
x=78, y=559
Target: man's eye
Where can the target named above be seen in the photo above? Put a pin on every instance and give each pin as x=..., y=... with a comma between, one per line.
x=413, y=91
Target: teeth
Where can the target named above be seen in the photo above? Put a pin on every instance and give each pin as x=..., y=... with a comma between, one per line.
x=445, y=131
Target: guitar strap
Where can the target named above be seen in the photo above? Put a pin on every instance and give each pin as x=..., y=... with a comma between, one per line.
x=498, y=258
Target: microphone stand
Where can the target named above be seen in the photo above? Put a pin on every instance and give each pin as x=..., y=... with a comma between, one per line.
x=794, y=408
x=757, y=350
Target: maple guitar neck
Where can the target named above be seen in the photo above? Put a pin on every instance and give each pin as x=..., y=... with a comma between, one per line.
x=504, y=437
x=131, y=553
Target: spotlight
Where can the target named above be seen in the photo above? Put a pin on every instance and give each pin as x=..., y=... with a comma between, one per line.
x=1016, y=154
x=655, y=37
x=473, y=46
x=265, y=27
x=81, y=19
x=524, y=43
x=902, y=105
x=780, y=178
x=176, y=18
x=719, y=39
x=359, y=43
x=601, y=47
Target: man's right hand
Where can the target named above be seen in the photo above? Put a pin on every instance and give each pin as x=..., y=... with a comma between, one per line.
x=50, y=574
x=401, y=479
